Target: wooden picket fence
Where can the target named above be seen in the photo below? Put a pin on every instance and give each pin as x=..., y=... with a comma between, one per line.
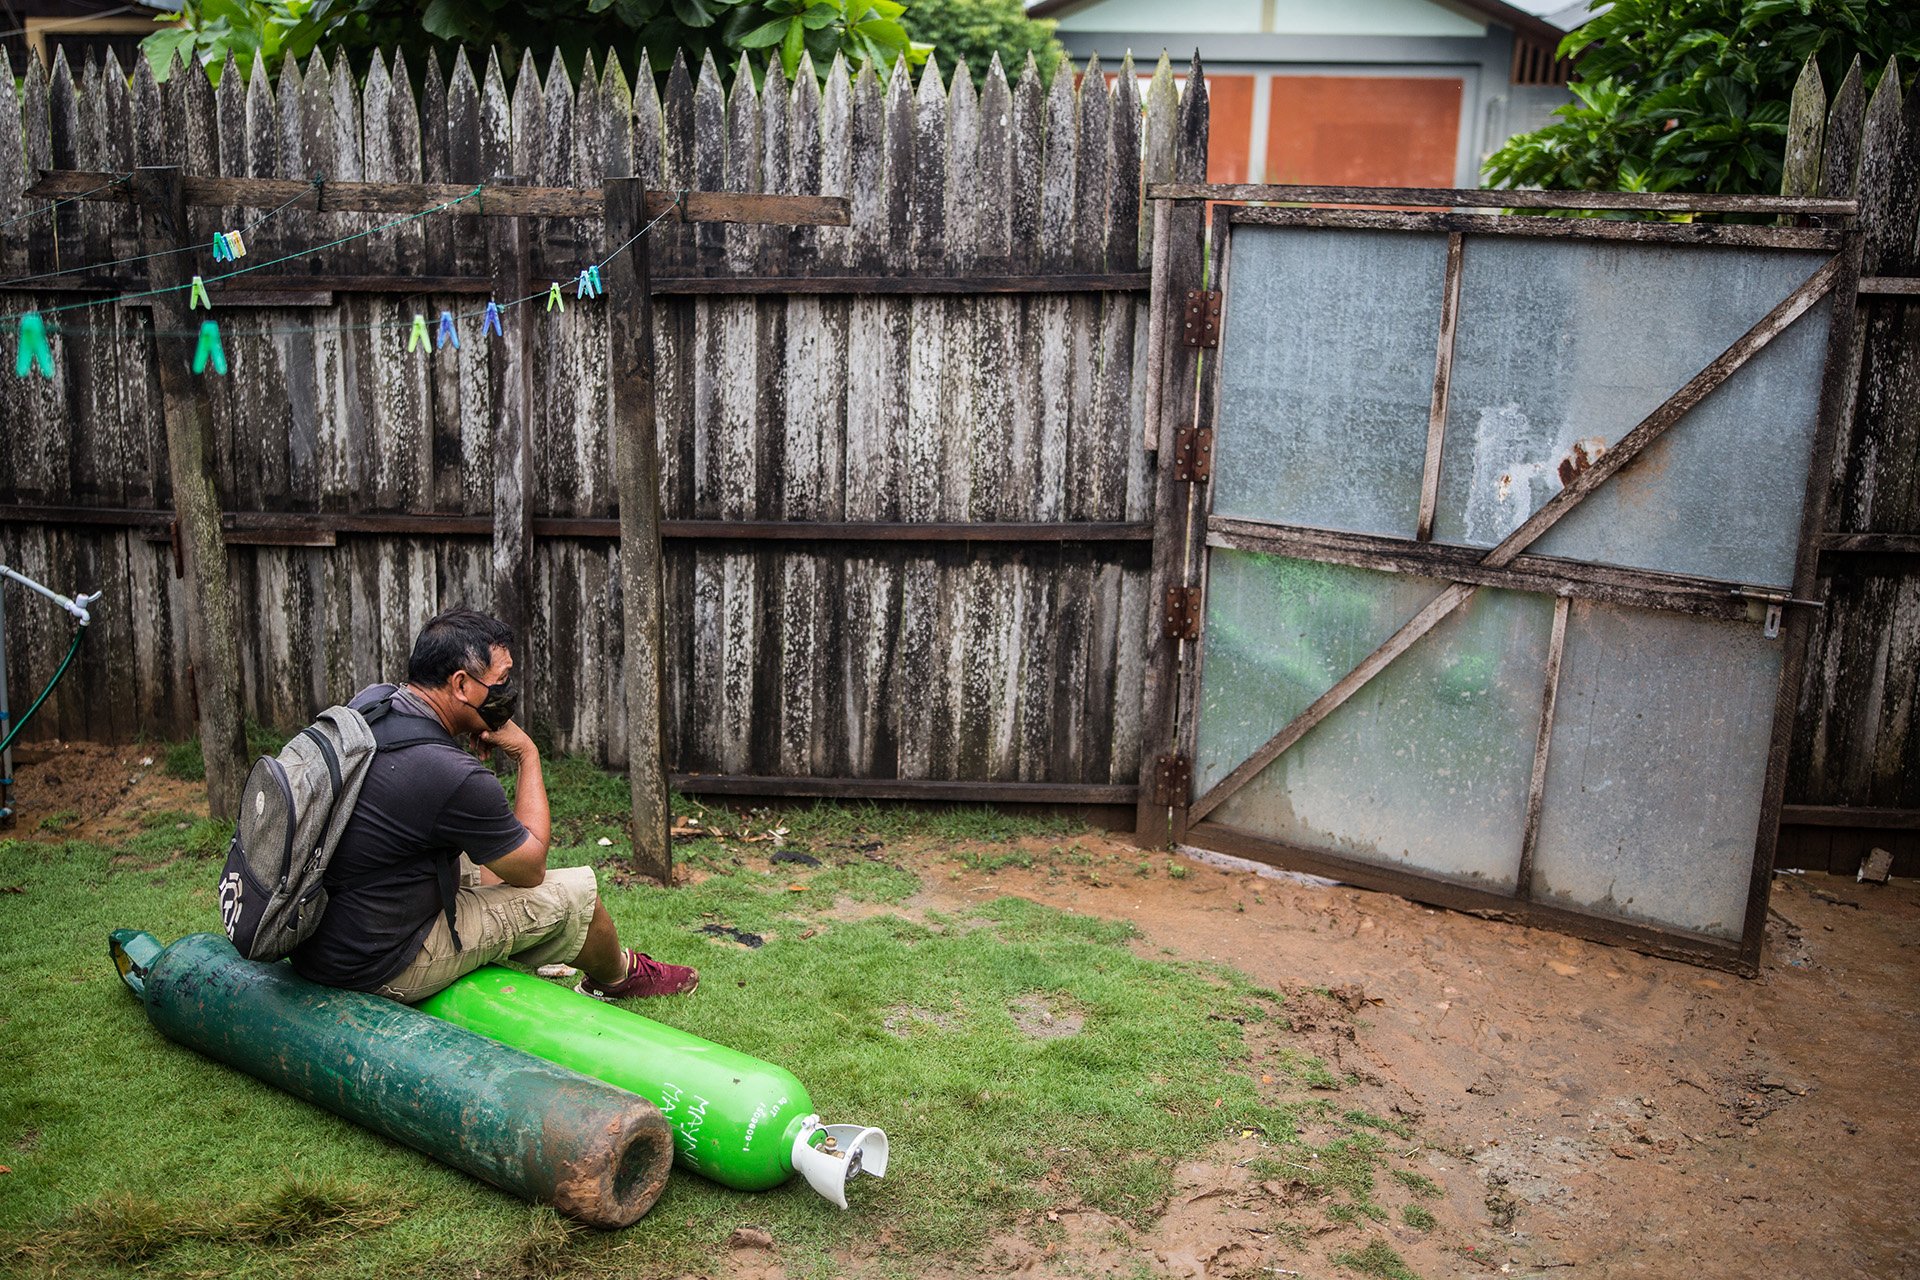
x=1854, y=782
x=907, y=507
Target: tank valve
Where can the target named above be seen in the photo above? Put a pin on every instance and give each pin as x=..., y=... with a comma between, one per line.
x=844, y=1150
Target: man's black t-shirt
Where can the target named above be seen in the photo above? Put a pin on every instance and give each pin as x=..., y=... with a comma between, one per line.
x=420, y=806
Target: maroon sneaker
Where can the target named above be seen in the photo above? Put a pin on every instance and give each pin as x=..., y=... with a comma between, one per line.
x=645, y=977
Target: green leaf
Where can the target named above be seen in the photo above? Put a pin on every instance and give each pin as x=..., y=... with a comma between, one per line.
x=793, y=46
x=161, y=46
x=693, y=12
x=768, y=33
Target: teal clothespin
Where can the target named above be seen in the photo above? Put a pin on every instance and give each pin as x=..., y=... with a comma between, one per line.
x=448, y=334
x=554, y=299
x=588, y=285
x=222, y=251
x=491, y=324
x=418, y=339
x=198, y=298
x=236, y=247
x=34, y=351
x=210, y=350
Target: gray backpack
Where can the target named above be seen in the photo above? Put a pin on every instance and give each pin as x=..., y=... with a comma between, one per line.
x=295, y=806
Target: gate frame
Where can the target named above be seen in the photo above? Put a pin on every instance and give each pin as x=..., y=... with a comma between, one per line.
x=1185, y=514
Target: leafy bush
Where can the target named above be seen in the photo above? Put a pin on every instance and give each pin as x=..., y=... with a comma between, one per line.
x=1693, y=94
x=864, y=31
x=972, y=31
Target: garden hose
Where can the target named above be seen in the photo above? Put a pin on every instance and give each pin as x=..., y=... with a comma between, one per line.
x=78, y=635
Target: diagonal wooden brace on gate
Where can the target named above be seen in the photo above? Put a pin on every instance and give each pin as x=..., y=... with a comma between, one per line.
x=1649, y=429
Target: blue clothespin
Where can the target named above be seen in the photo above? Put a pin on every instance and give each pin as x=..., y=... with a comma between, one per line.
x=448, y=334
x=222, y=251
x=588, y=285
x=492, y=322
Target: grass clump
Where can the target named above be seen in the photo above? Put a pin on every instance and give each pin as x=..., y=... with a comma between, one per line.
x=126, y=1229
x=1377, y=1259
x=1418, y=1183
x=1417, y=1217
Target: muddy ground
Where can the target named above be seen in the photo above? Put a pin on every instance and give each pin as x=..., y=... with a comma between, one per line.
x=1585, y=1111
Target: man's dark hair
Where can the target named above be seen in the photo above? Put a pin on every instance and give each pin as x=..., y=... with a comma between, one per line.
x=457, y=640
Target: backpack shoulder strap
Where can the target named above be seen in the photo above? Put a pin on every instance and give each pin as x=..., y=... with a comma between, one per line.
x=392, y=731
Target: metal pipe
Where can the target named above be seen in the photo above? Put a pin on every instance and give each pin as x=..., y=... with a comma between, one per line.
x=77, y=607
x=6, y=755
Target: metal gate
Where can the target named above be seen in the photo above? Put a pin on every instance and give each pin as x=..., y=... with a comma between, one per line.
x=1498, y=568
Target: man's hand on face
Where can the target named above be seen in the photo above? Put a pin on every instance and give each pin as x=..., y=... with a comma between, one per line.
x=512, y=739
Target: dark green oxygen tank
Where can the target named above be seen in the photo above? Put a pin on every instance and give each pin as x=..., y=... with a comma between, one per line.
x=541, y=1132
x=744, y=1123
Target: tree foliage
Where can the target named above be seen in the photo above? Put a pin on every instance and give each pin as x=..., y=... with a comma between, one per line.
x=865, y=31
x=1693, y=94
x=972, y=31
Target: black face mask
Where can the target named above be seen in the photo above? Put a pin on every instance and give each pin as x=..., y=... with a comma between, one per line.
x=499, y=704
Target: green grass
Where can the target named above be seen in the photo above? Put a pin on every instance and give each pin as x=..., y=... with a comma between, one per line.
x=1416, y=1217
x=1377, y=1259
x=131, y=1152
x=1418, y=1183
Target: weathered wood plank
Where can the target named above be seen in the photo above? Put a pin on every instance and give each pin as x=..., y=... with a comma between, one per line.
x=1183, y=153
x=1806, y=122
x=1840, y=146
x=1057, y=176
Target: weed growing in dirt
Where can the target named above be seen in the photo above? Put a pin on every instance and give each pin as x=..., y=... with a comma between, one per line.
x=989, y=1119
x=1377, y=1259
x=1418, y=1183
x=1416, y=1217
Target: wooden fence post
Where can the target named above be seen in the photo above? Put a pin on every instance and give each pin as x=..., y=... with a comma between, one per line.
x=510, y=379
x=1177, y=145
x=212, y=646
x=636, y=467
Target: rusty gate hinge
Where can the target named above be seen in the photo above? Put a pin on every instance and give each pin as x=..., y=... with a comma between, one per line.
x=1202, y=319
x=1193, y=454
x=1183, y=613
x=1172, y=780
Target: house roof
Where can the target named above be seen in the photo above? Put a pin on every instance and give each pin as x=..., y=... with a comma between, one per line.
x=1492, y=10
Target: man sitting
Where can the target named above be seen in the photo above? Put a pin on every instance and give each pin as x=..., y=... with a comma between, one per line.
x=407, y=912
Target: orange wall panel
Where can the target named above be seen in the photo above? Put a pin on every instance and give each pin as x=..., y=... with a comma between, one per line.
x=1229, y=128
x=1376, y=131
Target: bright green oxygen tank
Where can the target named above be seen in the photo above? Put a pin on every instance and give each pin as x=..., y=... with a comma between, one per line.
x=744, y=1123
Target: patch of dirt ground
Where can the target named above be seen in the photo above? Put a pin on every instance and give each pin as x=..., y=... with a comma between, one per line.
x=1577, y=1110
x=1584, y=1110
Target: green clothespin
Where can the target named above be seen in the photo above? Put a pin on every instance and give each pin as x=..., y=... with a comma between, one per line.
x=418, y=340
x=198, y=298
x=554, y=299
x=222, y=250
x=34, y=351
x=210, y=350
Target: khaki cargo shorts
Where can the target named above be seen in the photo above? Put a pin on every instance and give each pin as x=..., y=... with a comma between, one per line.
x=546, y=924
